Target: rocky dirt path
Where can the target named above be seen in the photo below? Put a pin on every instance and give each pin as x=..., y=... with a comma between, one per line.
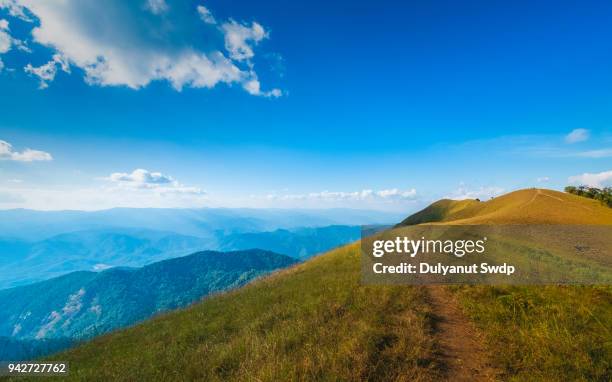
x=460, y=348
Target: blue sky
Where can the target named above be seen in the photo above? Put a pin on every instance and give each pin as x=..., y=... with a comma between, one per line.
x=299, y=104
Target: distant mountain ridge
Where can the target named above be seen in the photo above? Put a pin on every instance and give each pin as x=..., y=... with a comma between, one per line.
x=84, y=304
x=204, y=222
x=23, y=262
x=300, y=243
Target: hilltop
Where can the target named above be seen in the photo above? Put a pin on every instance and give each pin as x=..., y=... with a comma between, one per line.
x=528, y=206
x=316, y=321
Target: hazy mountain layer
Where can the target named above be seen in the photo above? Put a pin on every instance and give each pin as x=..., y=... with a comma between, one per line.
x=23, y=262
x=83, y=304
x=204, y=223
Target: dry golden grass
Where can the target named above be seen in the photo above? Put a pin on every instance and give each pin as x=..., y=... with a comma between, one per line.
x=528, y=206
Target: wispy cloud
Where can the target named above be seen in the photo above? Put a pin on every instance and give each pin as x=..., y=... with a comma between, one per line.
x=206, y=15
x=28, y=155
x=143, y=179
x=601, y=179
x=464, y=192
x=577, y=135
x=46, y=73
x=7, y=42
x=363, y=195
x=157, y=6
x=601, y=153
x=552, y=151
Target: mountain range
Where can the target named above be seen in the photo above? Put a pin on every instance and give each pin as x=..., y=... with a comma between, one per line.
x=205, y=223
x=55, y=313
x=23, y=262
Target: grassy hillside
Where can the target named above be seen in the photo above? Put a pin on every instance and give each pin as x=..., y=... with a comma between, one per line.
x=544, y=333
x=316, y=321
x=537, y=333
x=313, y=321
x=529, y=206
x=442, y=210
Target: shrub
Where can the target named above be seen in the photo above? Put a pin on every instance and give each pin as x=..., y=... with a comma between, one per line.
x=603, y=195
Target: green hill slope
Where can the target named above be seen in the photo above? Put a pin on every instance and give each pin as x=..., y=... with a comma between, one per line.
x=313, y=321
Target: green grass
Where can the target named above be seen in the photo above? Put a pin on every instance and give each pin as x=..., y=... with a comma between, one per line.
x=545, y=333
x=311, y=322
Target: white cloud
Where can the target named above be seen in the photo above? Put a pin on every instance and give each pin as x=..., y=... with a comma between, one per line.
x=239, y=37
x=160, y=183
x=395, y=193
x=157, y=6
x=117, y=43
x=14, y=9
x=47, y=72
x=201, y=71
x=141, y=178
x=96, y=197
x=543, y=179
x=206, y=15
x=253, y=87
x=463, y=192
x=577, y=135
x=601, y=153
x=363, y=195
x=601, y=179
x=6, y=41
x=27, y=155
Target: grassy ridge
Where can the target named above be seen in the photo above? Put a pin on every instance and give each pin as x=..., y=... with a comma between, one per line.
x=529, y=206
x=545, y=333
x=313, y=321
x=539, y=333
x=442, y=210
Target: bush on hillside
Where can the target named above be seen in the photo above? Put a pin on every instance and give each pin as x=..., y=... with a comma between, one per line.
x=603, y=195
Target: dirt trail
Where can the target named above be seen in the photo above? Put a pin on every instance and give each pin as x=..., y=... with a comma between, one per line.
x=460, y=347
